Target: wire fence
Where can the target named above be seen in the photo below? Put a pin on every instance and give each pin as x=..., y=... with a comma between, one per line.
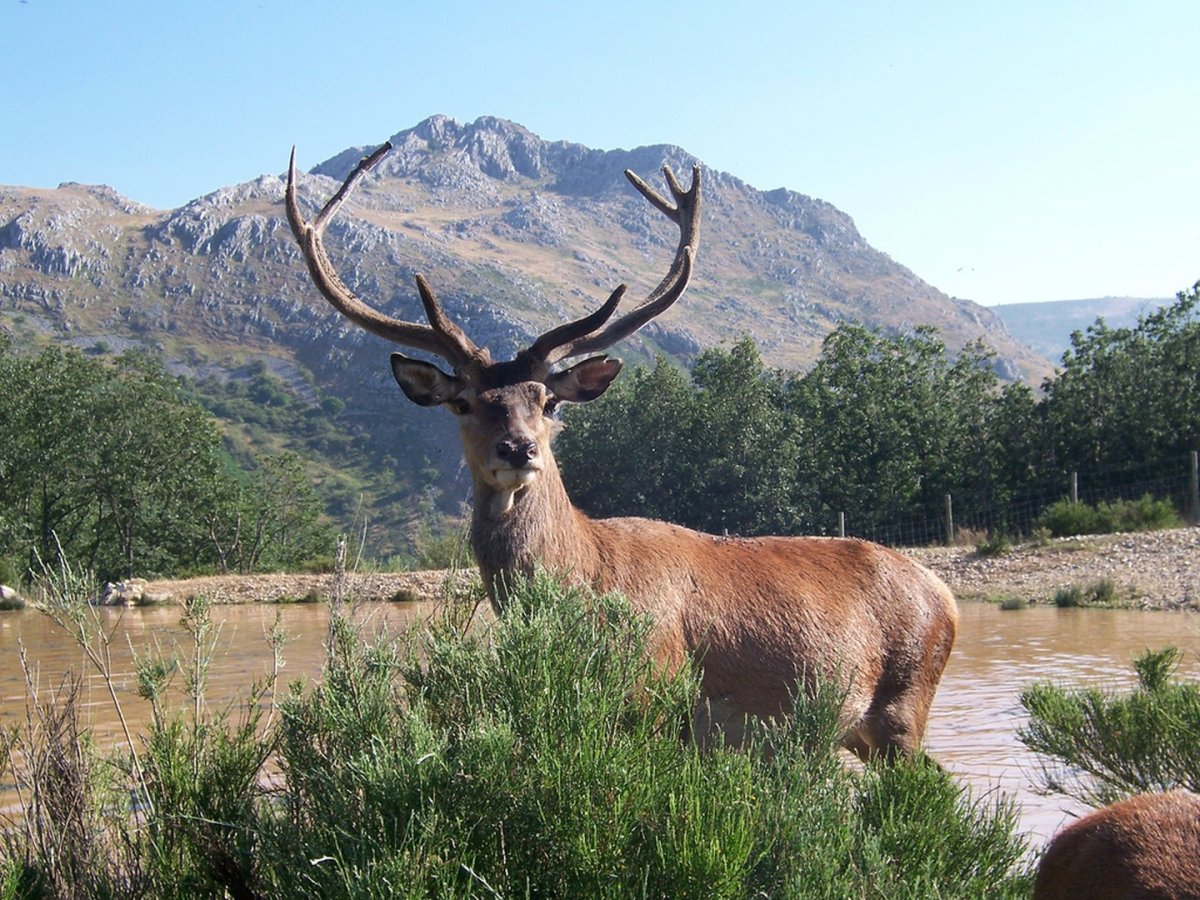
x=969, y=514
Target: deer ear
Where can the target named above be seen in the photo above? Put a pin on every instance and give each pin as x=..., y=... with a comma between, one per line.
x=424, y=383
x=584, y=381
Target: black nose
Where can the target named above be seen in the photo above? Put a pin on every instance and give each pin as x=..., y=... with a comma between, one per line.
x=516, y=451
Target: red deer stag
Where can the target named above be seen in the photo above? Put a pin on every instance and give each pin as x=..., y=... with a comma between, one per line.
x=762, y=614
x=1147, y=846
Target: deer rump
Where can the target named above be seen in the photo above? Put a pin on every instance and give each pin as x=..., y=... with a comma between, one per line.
x=1147, y=846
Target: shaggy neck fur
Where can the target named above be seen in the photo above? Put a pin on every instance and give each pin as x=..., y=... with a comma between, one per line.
x=536, y=526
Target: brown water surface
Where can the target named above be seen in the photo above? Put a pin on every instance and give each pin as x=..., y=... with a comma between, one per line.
x=972, y=729
x=975, y=717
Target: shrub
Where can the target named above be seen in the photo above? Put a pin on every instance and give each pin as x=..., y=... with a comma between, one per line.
x=1069, y=596
x=995, y=544
x=1064, y=518
x=543, y=757
x=1143, y=514
x=1102, y=592
x=1102, y=745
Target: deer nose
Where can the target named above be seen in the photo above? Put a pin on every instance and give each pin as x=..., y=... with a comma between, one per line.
x=517, y=452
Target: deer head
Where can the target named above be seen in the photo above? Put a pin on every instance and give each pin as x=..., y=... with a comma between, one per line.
x=504, y=408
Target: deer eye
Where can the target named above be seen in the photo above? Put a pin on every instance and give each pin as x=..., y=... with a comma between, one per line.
x=458, y=406
x=550, y=406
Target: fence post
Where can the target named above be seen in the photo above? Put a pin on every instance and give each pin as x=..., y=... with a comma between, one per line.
x=1194, y=488
x=842, y=522
x=1074, y=487
x=949, y=520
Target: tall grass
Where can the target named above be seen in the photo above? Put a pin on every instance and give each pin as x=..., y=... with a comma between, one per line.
x=537, y=755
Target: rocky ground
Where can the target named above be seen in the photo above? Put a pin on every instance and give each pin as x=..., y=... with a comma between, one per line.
x=390, y=586
x=1151, y=570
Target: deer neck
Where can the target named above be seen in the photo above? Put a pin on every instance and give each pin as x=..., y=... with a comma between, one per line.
x=515, y=533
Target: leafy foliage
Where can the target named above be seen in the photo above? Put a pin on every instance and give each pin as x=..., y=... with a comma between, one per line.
x=1064, y=518
x=1126, y=394
x=1102, y=745
x=107, y=463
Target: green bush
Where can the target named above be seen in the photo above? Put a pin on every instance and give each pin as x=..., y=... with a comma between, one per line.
x=1103, y=745
x=538, y=755
x=1143, y=514
x=996, y=544
x=1064, y=518
x=1068, y=597
x=543, y=758
x=1102, y=592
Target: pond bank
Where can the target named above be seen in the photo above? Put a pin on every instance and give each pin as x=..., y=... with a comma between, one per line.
x=1150, y=570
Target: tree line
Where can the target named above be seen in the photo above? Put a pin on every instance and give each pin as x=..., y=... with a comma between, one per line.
x=881, y=428
x=105, y=463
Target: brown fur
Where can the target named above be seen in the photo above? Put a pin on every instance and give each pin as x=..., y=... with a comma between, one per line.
x=1147, y=846
x=762, y=615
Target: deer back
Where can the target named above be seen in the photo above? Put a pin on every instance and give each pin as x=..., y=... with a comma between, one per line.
x=1147, y=846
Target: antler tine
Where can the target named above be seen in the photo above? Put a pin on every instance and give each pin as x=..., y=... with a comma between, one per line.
x=685, y=212
x=444, y=339
x=558, y=343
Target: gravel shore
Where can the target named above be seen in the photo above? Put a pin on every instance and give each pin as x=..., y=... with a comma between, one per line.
x=1150, y=570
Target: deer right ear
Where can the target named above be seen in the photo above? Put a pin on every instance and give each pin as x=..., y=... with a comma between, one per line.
x=424, y=383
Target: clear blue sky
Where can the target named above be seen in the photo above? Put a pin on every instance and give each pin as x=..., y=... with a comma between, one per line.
x=1004, y=151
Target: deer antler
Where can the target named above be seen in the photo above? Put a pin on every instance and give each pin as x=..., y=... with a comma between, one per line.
x=444, y=338
x=577, y=338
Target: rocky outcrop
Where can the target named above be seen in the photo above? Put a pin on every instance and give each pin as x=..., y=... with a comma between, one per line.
x=131, y=592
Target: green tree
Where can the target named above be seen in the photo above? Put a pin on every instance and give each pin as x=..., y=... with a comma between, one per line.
x=895, y=423
x=628, y=453
x=156, y=460
x=745, y=449
x=1125, y=395
x=46, y=455
x=106, y=463
x=270, y=518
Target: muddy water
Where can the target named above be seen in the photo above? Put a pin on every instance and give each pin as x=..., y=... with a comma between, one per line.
x=972, y=728
x=975, y=717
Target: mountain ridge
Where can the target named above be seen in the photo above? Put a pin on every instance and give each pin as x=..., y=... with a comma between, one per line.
x=1046, y=326
x=514, y=233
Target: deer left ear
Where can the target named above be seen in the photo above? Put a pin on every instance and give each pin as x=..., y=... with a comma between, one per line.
x=584, y=381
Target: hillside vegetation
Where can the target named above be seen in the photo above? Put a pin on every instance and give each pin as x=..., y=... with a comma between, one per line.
x=882, y=428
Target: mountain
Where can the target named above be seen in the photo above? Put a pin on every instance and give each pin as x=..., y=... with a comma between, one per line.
x=514, y=233
x=1047, y=326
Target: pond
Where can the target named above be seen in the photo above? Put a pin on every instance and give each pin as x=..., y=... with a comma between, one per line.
x=972, y=728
